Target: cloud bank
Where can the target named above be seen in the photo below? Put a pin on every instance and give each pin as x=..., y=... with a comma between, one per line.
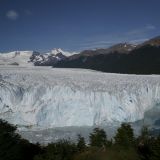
x=12, y=15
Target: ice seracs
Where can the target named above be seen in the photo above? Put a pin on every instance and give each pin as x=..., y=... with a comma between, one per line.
x=48, y=97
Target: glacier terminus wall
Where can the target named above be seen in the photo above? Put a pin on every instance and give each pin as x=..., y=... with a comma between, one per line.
x=43, y=97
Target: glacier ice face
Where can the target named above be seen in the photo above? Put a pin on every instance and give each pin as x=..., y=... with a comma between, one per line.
x=43, y=97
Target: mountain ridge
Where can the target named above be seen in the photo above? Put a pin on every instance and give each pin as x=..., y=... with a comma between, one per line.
x=30, y=58
x=138, y=59
x=127, y=58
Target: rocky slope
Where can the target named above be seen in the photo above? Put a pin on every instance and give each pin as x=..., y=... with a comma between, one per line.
x=122, y=58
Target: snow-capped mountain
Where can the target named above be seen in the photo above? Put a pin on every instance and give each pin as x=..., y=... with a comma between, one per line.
x=16, y=58
x=47, y=59
x=49, y=97
x=30, y=58
x=65, y=53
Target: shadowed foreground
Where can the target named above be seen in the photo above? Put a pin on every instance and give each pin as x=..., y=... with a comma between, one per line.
x=123, y=146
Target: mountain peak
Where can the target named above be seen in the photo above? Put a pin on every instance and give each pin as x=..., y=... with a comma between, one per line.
x=56, y=51
x=122, y=48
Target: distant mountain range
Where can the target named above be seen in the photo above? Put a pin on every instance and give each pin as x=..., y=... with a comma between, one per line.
x=31, y=58
x=121, y=58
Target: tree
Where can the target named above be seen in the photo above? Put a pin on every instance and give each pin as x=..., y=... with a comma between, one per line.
x=81, y=145
x=62, y=150
x=148, y=147
x=144, y=133
x=12, y=146
x=98, y=138
x=155, y=149
x=144, y=144
x=125, y=136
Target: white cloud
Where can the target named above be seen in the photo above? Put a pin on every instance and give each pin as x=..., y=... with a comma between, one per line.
x=142, y=30
x=135, y=36
x=27, y=12
x=150, y=27
x=137, y=41
x=12, y=15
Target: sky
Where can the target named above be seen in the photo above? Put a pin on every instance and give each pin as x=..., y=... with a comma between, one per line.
x=76, y=25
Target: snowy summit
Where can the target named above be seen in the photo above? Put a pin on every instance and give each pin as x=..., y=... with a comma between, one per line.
x=30, y=58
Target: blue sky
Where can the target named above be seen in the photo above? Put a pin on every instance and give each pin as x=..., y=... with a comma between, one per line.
x=75, y=25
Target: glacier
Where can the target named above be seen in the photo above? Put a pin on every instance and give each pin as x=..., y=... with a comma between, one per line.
x=38, y=98
x=16, y=58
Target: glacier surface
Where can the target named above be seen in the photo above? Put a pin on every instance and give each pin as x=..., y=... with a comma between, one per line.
x=37, y=98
